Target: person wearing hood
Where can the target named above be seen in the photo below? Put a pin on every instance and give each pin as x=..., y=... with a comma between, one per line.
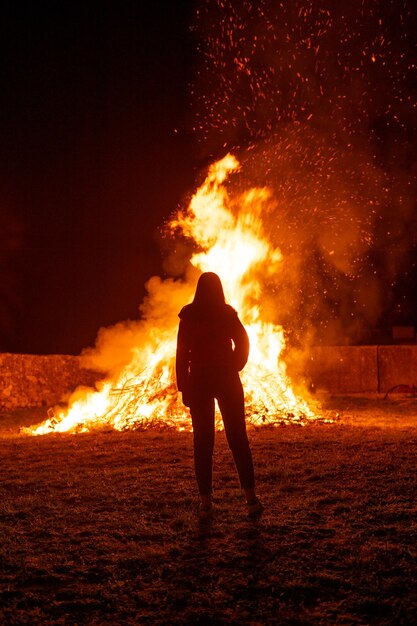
x=212, y=348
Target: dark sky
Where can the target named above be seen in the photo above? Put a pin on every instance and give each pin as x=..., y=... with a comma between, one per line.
x=95, y=154
x=97, y=146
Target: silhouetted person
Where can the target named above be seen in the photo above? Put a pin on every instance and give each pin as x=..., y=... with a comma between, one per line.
x=212, y=348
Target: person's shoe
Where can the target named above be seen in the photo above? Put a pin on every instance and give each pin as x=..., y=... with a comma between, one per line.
x=255, y=508
x=205, y=512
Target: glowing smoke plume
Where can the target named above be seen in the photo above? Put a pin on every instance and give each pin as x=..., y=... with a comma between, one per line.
x=321, y=99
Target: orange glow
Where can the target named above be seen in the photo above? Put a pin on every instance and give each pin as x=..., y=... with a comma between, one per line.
x=230, y=240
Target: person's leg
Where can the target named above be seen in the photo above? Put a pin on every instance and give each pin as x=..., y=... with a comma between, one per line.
x=231, y=403
x=202, y=416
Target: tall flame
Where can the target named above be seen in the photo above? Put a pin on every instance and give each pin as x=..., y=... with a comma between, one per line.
x=231, y=241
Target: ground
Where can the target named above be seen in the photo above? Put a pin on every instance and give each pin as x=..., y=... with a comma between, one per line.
x=101, y=528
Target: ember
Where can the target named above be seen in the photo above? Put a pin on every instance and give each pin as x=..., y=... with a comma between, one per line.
x=229, y=239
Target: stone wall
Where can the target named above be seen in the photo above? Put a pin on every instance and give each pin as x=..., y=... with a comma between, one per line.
x=28, y=380
x=397, y=366
x=35, y=381
x=362, y=369
x=344, y=369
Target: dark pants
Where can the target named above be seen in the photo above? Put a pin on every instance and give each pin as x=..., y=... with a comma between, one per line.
x=206, y=384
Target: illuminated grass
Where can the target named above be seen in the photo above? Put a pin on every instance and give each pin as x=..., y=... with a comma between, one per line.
x=101, y=528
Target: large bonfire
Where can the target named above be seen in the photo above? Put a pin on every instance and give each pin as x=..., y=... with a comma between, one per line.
x=229, y=239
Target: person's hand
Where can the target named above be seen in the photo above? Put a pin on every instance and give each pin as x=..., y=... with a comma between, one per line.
x=186, y=399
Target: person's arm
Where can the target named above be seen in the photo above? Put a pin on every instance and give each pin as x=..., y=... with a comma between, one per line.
x=182, y=361
x=241, y=341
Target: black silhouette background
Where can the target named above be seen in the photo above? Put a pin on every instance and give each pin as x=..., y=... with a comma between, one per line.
x=93, y=157
x=101, y=137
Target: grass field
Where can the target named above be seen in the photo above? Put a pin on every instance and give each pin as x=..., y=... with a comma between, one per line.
x=102, y=528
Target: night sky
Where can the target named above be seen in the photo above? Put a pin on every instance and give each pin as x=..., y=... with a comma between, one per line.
x=110, y=110
x=95, y=155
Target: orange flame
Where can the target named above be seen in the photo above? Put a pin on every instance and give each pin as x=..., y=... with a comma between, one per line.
x=230, y=237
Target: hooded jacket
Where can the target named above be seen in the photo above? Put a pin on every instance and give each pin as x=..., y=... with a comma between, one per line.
x=210, y=339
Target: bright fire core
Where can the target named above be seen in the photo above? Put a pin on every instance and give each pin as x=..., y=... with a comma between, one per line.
x=230, y=240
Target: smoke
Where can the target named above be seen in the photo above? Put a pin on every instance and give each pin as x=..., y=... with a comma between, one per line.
x=319, y=103
x=116, y=345
x=327, y=202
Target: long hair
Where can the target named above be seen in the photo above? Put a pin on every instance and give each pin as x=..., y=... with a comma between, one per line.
x=209, y=292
